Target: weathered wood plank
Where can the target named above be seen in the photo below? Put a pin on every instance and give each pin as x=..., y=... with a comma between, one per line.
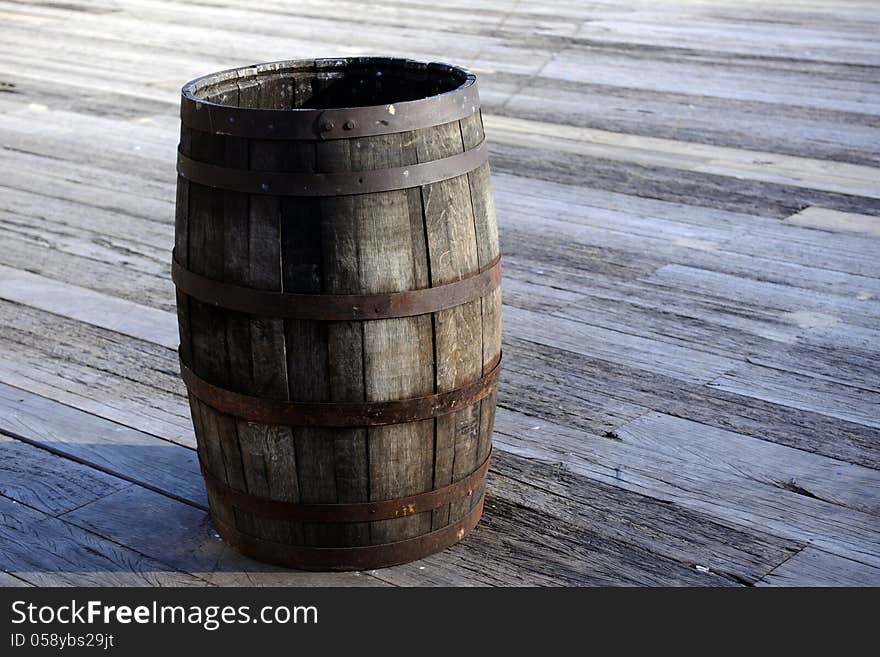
x=736, y=123
x=83, y=184
x=85, y=229
x=244, y=338
x=806, y=307
x=826, y=478
x=850, y=403
x=107, y=446
x=765, y=167
x=729, y=82
x=97, y=371
x=551, y=374
x=812, y=344
x=178, y=535
x=720, y=191
x=810, y=475
x=306, y=342
x=812, y=567
x=106, y=278
x=9, y=581
x=87, y=306
x=47, y=551
x=268, y=453
x=214, y=340
x=688, y=475
x=700, y=233
x=44, y=481
x=666, y=529
x=632, y=351
x=488, y=248
x=836, y=222
x=546, y=553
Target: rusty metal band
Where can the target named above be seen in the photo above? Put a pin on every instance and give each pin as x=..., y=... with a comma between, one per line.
x=350, y=558
x=338, y=414
x=336, y=307
x=342, y=183
x=264, y=507
x=341, y=123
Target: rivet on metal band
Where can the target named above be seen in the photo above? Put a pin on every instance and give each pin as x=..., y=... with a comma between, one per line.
x=350, y=558
x=343, y=183
x=338, y=414
x=353, y=512
x=336, y=307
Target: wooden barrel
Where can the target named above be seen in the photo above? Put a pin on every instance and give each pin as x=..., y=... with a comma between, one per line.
x=337, y=269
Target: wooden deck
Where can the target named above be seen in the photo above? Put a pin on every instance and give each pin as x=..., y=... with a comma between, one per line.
x=688, y=195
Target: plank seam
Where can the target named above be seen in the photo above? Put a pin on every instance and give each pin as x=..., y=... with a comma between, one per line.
x=57, y=452
x=88, y=530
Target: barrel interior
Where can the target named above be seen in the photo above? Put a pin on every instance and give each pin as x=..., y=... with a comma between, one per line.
x=330, y=84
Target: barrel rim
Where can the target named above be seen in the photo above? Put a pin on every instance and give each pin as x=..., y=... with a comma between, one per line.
x=331, y=123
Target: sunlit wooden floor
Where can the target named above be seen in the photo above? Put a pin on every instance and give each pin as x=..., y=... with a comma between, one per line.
x=688, y=195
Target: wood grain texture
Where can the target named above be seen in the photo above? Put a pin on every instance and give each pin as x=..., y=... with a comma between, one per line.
x=837, y=222
x=654, y=524
x=687, y=467
x=671, y=216
x=208, y=326
x=811, y=567
x=47, y=551
x=607, y=391
x=851, y=179
x=92, y=307
x=398, y=353
x=488, y=248
x=306, y=342
x=44, y=481
x=345, y=340
x=712, y=190
x=450, y=230
x=107, y=446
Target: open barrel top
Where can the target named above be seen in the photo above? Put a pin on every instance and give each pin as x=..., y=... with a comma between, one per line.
x=364, y=96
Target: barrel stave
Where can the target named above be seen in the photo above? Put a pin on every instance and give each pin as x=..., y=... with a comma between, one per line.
x=398, y=354
x=339, y=239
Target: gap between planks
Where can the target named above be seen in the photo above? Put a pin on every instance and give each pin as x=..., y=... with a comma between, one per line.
x=840, y=177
